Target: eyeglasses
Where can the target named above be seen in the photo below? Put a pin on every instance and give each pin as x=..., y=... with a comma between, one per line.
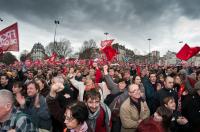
x=69, y=118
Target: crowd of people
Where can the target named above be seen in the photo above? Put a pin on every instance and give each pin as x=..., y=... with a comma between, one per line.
x=99, y=98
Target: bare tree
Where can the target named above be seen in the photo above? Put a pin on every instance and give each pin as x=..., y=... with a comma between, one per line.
x=8, y=58
x=62, y=48
x=87, y=49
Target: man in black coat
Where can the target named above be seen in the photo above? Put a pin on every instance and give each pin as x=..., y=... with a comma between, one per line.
x=167, y=91
x=191, y=108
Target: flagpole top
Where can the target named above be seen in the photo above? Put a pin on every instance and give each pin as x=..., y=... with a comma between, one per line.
x=106, y=33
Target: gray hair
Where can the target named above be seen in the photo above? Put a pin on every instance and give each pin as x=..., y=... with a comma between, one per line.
x=6, y=96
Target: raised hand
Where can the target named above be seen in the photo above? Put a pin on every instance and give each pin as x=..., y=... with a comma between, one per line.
x=105, y=69
x=55, y=88
x=20, y=99
x=182, y=120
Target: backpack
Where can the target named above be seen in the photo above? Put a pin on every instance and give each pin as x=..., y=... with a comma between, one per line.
x=109, y=99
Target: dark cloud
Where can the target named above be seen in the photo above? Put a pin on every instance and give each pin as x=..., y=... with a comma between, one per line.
x=190, y=8
x=128, y=20
x=99, y=12
x=84, y=12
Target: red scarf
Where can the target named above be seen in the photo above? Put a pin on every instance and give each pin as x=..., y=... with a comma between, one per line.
x=180, y=92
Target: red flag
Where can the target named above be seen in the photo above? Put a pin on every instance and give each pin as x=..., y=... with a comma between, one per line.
x=52, y=58
x=64, y=70
x=187, y=52
x=9, y=39
x=106, y=43
x=110, y=52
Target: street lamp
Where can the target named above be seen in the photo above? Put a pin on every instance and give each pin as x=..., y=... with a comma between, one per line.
x=149, y=39
x=180, y=42
x=106, y=33
x=56, y=22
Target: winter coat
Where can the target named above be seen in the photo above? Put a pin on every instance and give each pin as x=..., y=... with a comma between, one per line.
x=150, y=94
x=130, y=116
x=113, y=87
x=40, y=116
x=191, y=110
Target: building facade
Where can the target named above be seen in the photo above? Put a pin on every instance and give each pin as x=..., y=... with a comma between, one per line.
x=124, y=54
x=38, y=52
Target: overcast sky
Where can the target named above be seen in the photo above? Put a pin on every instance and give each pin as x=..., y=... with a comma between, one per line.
x=129, y=22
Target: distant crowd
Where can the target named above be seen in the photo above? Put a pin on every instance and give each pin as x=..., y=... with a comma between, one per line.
x=99, y=98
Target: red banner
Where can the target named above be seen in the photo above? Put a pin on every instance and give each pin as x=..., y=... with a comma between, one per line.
x=110, y=52
x=187, y=52
x=9, y=39
x=106, y=43
x=52, y=58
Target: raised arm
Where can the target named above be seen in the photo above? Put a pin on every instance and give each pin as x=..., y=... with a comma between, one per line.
x=53, y=105
x=109, y=81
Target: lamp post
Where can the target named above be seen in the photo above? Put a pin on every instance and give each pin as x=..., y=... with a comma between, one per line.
x=56, y=22
x=149, y=39
x=106, y=33
x=180, y=42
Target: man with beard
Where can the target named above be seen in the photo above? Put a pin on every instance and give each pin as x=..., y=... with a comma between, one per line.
x=99, y=113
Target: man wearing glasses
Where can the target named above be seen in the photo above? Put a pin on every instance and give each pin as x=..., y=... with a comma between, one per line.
x=133, y=110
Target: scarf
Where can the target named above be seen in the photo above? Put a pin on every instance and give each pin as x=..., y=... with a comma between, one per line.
x=137, y=104
x=180, y=92
x=84, y=128
x=92, y=119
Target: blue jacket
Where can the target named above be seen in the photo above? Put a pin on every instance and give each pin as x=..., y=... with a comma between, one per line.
x=40, y=116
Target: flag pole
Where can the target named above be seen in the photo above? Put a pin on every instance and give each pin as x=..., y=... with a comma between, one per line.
x=106, y=33
x=56, y=22
x=149, y=39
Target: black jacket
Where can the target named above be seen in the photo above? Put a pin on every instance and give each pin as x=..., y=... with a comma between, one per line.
x=8, y=86
x=191, y=110
x=164, y=92
x=175, y=127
